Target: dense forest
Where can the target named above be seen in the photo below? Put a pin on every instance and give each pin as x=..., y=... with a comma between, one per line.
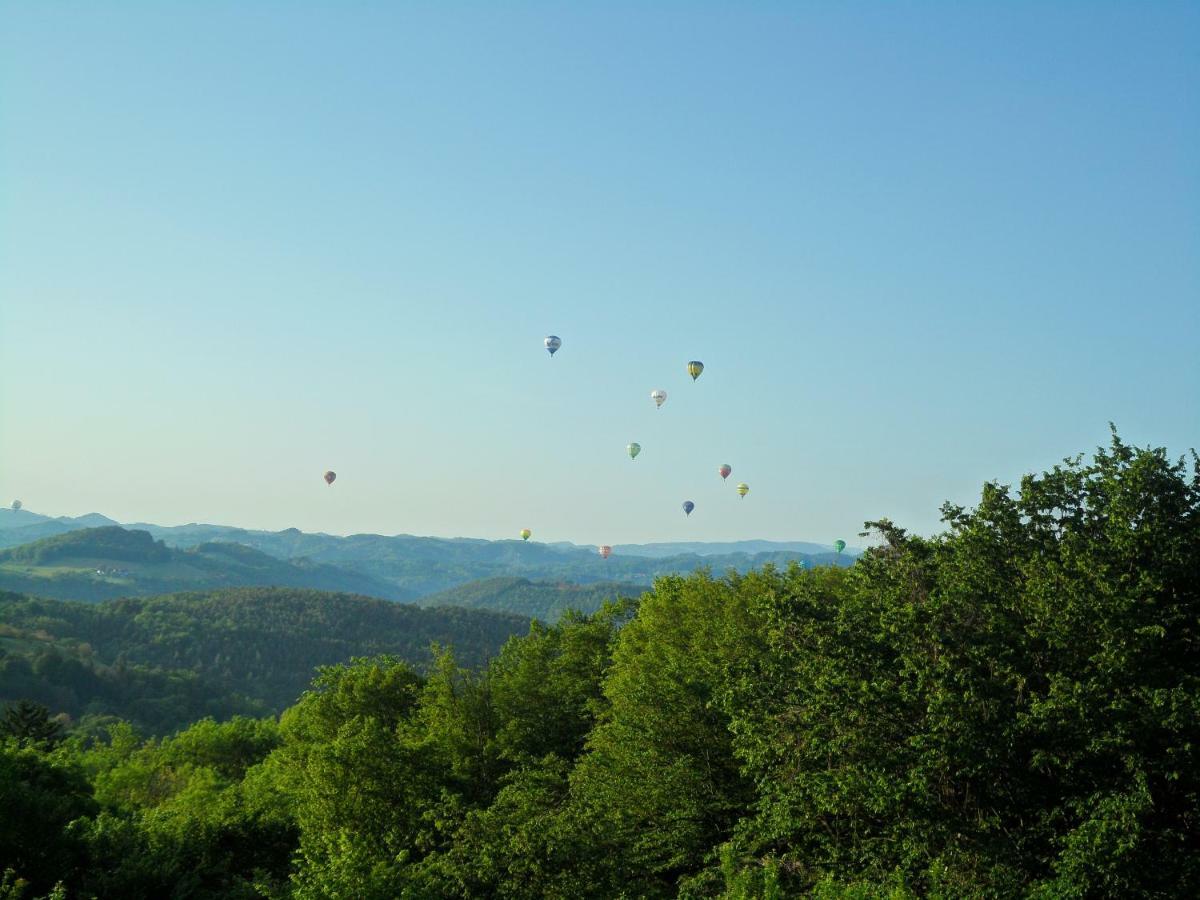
x=163, y=662
x=547, y=601
x=1010, y=708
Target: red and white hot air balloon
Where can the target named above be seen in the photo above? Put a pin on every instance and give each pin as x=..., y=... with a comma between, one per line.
x=724, y=470
x=605, y=551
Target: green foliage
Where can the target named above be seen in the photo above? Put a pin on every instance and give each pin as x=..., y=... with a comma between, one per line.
x=40, y=796
x=360, y=789
x=1011, y=708
x=29, y=725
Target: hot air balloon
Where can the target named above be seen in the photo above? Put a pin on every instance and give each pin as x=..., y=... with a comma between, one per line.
x=526, y=534
x=743, y=489
x=688, y=506
x=839, y=546
x=329, y=477
x=659, y=397
x=605, y=551
x=634, y=449
x=724, y=470
x=16, y=504
x=552, y=342
x=695, y=367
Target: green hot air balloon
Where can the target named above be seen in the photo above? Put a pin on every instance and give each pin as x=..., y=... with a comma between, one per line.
x=695, y=367
x=839, y=546
x=633, y=450
x=526, y=534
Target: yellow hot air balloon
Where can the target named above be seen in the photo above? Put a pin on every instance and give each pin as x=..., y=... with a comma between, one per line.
x=526, y=534
x=695, y=367
x=743, y=489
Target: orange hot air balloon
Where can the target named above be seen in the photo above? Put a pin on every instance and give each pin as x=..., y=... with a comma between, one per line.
x=329, y=477
x=605, y=551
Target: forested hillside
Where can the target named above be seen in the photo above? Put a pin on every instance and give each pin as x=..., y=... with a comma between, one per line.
x=102, y=563
x=164, y=661
x=535, y=599
x=84, y=563
x=425, y=565
x=1008, y=709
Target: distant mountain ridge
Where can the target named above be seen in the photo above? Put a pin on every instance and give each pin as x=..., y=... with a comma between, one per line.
x=402, y=567
x=193, y=533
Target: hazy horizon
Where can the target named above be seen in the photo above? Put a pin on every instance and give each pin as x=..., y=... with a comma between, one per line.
x=852, y=545
x=917, y=249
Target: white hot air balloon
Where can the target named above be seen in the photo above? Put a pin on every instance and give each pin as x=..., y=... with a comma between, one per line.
x=659, y=397
x=552, y=342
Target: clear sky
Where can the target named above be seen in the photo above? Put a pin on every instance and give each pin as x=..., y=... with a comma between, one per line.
x=917, y=245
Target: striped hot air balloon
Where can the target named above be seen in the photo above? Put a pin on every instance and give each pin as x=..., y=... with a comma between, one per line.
x=605, y=551
x=743, y=489
x=695, y=367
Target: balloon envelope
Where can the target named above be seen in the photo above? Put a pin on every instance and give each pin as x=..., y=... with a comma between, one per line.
x=329, y=477
x=725, y=470
x=605, y=551
x=743, y=489
x=634, y=450
x=688, y=506
x=839, y=546
x=525, y=534
x=552, y=342
x=16, y=504
x=695, y=367
x=659, y=397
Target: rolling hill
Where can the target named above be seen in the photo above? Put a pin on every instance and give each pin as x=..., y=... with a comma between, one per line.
x=102, y=563
x=397, y=567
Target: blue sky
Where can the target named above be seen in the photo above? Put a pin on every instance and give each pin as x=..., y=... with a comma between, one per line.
x=918, y=246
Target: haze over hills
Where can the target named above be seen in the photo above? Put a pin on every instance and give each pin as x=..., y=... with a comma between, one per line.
x=400, y=567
